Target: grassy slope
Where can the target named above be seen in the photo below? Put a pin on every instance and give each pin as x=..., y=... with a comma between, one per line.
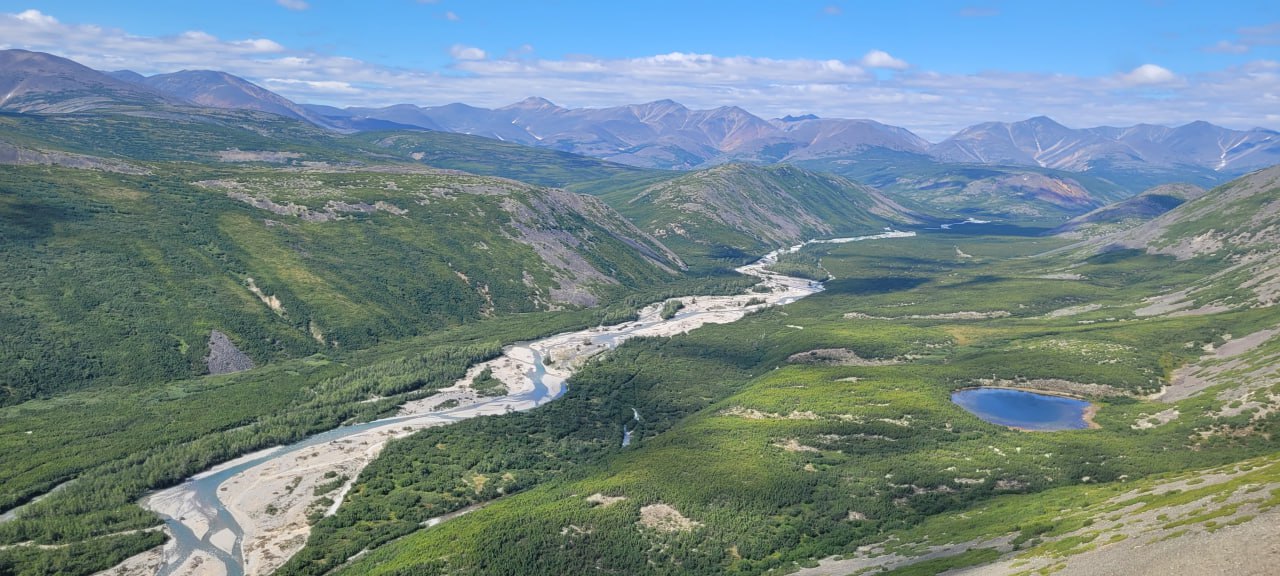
x=1233, y=224
x=886, y=442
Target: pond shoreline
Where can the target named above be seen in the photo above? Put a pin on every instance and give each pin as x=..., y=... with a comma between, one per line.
x=1087, y=416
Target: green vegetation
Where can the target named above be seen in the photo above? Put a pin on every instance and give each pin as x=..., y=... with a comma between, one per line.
x=85, y=558
x=486, y=385
x=112, y=279
x=113, y=283
x=669, y=309
x=333, y=484
x=137, y=435
x=940, y=565
x=356, y=288
x=118, y=443
x=801, y=264
x=781, y=464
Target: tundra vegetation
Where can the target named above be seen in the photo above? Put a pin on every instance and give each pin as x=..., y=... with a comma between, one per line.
x=355, y=288
x=777, y=465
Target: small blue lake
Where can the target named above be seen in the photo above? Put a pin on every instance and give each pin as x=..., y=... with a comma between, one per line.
x=1026, y=410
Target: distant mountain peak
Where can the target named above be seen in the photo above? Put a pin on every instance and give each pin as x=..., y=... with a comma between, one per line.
x=127, y=76
x=801, y=118
x=205, y=73
x=217, y=89
x=1043, y=120
x=665, y=104
x=45, y=83
x=532, y=103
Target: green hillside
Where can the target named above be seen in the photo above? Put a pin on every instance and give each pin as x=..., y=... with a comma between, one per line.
x=734, y=211
x=1233, y=225
x=115, y=278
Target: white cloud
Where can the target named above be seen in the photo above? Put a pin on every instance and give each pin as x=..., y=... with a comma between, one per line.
x=452, y=16
x=313, y=86
x=832, y=10
x=1149, y=74
x=261, y=45
x=932, y=104
x=460, y=52
x=110, y=49
x=882, y=59
x=677, y=67
x=36, y=18
x=296, y=5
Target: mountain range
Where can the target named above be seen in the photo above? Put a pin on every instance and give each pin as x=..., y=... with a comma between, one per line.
x=666, y=134
x=1042, y=142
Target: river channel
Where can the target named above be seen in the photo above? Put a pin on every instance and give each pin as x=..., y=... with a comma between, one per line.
x=213, y=518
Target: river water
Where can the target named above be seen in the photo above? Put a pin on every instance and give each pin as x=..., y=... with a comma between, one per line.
x=217, y=533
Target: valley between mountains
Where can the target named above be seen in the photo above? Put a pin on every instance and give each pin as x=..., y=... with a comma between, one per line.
x=244, y=335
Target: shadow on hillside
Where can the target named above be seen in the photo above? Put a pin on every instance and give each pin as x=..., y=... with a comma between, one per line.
x=878, y=285
x=28, y=222
x=991, y=229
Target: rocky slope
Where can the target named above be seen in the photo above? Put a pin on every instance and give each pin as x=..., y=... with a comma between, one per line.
x=1234, y=223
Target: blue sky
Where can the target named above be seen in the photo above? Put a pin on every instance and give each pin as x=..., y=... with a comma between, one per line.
x=932, y=67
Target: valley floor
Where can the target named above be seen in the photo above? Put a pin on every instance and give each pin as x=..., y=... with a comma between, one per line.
x=275, y=500
x=819, y=438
